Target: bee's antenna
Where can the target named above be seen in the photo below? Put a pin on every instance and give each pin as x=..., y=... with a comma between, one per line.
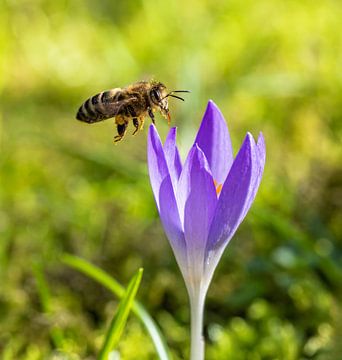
x=175, y=96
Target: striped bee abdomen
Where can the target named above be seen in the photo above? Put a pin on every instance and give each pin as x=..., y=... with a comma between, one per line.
x=99, y=107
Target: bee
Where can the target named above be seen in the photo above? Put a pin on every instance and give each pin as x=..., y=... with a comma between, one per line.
x=134, y=102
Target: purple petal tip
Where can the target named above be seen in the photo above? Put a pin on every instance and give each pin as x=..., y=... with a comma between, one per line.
x=212, y=106
x=172, y=134
x=261, y=139
x=261, y=148
x=152, y=129
x=249, y=139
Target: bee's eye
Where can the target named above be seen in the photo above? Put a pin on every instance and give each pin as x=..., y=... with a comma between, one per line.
x=155, y=94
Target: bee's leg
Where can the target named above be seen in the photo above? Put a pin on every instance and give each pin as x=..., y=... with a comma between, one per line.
x=121, y=132
x=136, y=124
x=141, y=120
x=151, y=115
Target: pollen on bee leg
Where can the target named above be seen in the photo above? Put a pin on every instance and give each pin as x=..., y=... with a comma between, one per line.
x=218, y=187
x=141, y=119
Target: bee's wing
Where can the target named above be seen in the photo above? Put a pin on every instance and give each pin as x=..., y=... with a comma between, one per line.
x=115, y=108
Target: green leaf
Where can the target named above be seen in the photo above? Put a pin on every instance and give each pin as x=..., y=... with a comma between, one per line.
x=111, y=284
x=44, y=295
x=120, y=318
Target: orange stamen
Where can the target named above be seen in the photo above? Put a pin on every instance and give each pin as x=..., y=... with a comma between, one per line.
x=218, y=187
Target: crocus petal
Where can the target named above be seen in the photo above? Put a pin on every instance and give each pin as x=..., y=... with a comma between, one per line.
x=214, y=140
x=172, y=157
x=198, y=191
x=171, y=222
x=235, y=196
x=260, y=163
x=164, y=194
x=157, y=165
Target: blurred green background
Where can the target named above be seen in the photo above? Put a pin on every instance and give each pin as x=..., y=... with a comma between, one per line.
x=271, y=66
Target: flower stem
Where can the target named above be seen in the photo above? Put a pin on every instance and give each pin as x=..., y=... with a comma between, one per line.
x=197, y=342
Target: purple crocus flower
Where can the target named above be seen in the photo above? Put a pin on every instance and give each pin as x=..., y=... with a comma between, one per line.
x=203, y=202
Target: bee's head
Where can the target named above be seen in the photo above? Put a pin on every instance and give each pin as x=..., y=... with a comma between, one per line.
x=159, y=98
x=158, y=94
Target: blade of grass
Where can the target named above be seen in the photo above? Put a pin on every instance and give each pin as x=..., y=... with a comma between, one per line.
x=111, y=284
x=120, y=318
x=44, y=295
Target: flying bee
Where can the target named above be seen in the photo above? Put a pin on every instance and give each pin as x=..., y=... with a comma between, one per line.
x=134, y=102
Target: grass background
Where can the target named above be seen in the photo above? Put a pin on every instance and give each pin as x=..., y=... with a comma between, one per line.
x=271, y=66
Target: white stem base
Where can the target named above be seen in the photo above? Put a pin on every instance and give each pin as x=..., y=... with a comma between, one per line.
x=197, y=342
